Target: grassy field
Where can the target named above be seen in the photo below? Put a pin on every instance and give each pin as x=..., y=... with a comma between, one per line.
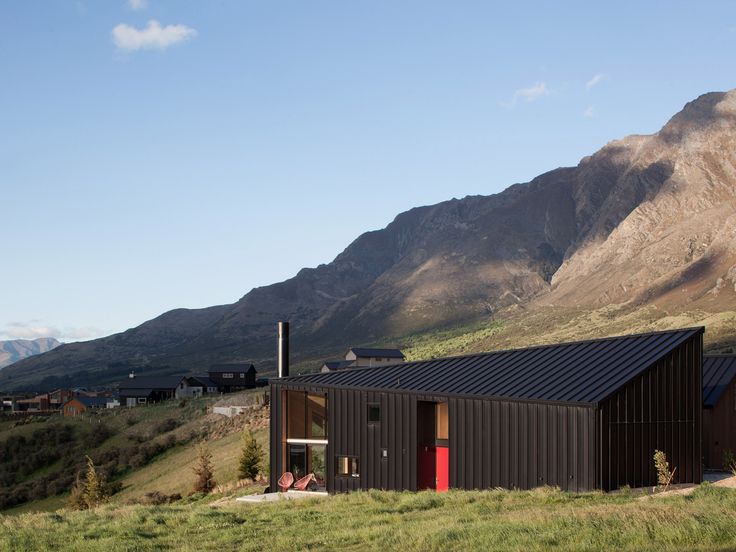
x=543, y=519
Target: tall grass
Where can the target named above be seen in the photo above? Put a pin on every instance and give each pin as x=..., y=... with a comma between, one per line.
x=459, y=520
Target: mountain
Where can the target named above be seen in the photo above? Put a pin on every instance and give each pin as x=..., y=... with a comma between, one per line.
x=645, y=221
x=18, y=349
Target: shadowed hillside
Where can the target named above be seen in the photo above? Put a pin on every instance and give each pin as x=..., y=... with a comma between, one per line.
x=645, y=221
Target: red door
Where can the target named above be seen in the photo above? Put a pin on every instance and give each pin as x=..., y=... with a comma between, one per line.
x=443, y=469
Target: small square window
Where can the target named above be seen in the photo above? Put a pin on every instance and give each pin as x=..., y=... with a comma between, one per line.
x=347, y=466
x=374, y=413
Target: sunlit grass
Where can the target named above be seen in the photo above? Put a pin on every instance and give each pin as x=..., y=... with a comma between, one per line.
x=459, y=520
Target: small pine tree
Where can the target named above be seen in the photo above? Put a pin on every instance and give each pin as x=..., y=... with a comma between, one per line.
x=664, y=475
x=76, y=499
x=205, y=481
x=251, y=457
x=95, y=492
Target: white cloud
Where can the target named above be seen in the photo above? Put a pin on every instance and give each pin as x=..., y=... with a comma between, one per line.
x=36, y=328
x=137, y=5
x=529, y=94
x=597, y=79
x=152, y=37
x=589, y=112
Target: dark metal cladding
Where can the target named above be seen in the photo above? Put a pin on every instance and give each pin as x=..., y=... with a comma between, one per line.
x=579, y=416
x=718, y=373
x=719, y=403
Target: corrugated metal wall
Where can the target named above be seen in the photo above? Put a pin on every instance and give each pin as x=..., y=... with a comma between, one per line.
x=521, y=445
x=493, y=443
x=660, y=409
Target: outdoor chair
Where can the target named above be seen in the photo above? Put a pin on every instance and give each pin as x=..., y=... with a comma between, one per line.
x=286, y=480
x=303, y=484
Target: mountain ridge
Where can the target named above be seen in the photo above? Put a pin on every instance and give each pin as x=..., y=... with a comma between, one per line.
x=645, y=220
x=13, y=350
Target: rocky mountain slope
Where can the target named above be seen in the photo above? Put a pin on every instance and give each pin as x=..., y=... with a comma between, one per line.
x=17, y=349
x=647, y=220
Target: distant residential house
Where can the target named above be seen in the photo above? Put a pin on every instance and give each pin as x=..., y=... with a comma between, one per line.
x=195, y=386
x=59, y=397
x=39, y=403
x=139, y=390
x=233, y=376
x=361, y=357
x=77, y=405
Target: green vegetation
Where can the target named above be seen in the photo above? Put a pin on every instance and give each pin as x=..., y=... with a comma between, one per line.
x=543, y=519
x=251, y=457
x=137, y=451
x=204, y=481
x=441, y=343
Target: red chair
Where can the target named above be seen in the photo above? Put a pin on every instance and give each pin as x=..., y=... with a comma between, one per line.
x=304, y=483
x=286, y=480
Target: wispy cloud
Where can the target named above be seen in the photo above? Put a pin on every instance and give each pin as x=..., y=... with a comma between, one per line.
x=596, y=79
x=137, y=5
x=528, y=94
x=589, y=112
x=152, y=37
x=36, y=328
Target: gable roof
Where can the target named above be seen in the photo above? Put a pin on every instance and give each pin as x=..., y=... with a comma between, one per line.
x=203, y=380
x=372, y=353
x=337, y=364
x=150, y=382
x=231, y=367
x=94, y=401
x=580, y=372
x=718, y=372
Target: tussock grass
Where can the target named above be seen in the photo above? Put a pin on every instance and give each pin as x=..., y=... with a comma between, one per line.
x=459, y=520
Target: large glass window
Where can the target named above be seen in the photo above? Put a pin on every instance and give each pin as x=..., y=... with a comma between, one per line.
x=307, y=416
x=304, y=459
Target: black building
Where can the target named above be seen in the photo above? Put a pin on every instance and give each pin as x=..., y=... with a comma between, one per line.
x=233, y=376
x=580, y=416
x=139, y=390
x=719, y=410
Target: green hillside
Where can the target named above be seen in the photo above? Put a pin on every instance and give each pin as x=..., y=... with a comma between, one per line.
x=138, y=450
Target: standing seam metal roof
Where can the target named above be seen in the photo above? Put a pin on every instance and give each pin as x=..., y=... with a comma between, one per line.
x=581, y=372
x=718, y=372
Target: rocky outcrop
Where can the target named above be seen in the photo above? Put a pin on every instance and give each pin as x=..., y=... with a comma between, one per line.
x=645, y=220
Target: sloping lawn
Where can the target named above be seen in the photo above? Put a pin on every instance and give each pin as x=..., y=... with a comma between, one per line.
x=459, y=520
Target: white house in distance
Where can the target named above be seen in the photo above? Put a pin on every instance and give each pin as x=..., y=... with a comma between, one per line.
x=361, y=357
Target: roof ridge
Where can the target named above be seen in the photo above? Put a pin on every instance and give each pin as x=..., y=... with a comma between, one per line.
x=409, y=363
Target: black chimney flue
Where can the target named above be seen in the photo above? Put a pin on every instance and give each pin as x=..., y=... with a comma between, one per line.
x=283, y=369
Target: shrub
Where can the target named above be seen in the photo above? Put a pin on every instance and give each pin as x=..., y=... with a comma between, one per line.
x=156, y=498
x=95, y=490
x=76, y=499
x=251, y=457
x=664, y=475
x=205, y=481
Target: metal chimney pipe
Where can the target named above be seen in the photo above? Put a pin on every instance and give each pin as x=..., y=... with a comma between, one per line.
x=283, y=369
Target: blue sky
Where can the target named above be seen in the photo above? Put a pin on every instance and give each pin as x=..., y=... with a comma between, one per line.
x=170, y=153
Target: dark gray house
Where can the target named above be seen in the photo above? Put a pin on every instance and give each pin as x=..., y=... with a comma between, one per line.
x=580, y=416
x=140, y=390
x=233, y=376
x=719, y=409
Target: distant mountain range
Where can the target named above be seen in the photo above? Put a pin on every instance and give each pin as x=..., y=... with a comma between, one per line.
x=647, y=220
x=18, y=349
